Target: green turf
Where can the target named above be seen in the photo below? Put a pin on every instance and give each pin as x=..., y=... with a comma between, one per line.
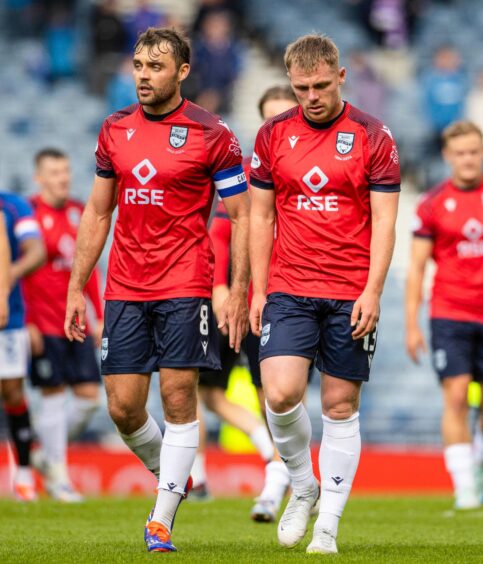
x=404, y=529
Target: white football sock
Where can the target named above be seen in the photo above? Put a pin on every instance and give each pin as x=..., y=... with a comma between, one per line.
x=51, y=428
x=198, y=472
x=338, y=460
x=178, y=452
x=277, y=480
x=291, y=432
x=262, y=442
x=461, y=467
x=145, y=443
x=478, y=444
x=79, y=413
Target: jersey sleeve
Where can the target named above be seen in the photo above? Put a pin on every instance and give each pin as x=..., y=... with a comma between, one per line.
x=384, y=174
x=260, y=170
x=220, y=233
x=225, y=162
x=423, y=220
x=25, y=226
x=104, y=166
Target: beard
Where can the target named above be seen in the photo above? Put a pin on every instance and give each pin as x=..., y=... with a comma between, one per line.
x=159, y=96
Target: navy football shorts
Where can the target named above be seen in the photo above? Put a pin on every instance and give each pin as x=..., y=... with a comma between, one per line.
x=65, y=362
x=229, y=358
x=457, y=348
x=141, y=337
x=316, y=327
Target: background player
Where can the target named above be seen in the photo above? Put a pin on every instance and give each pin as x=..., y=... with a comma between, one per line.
x=5, y=259
x=449, y=229
x=328, y=174
x=161, y=158
x=213, y=385
x=27, y=253
x=57, y=362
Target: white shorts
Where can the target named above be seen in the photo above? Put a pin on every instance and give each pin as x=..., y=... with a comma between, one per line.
x=14, y=353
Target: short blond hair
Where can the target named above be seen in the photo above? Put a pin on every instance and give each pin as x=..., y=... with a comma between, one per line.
x=458, y=128
x=308, y=51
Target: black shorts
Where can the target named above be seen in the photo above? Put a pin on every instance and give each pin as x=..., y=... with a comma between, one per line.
x=65, y=362
x=457, y=348
x=229, y=358
x=141, y=337
x=316, y=328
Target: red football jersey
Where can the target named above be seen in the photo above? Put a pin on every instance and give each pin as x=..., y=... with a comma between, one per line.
x=167, y=168
x=322, y=175
x=453, y=219
x=45, y=290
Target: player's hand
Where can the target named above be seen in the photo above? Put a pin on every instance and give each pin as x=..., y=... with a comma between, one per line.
x=75, y=316
x=415, y=343
x=221, y=293
x=258, y=303
x=235, y=314
x=97, y=332
x=36, y=340
x=3, y=311
x=365, y=314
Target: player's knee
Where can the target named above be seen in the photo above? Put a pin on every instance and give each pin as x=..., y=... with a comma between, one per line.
x=127, y=417
x=457, y=404
x=339, y=410
x=180, y=406
x=280, y=402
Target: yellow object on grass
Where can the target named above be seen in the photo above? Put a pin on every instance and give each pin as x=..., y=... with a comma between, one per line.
x=474, y=394
x=243, y=392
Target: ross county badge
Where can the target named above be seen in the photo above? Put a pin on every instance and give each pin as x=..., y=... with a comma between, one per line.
x=344, y=142
x=178, y=136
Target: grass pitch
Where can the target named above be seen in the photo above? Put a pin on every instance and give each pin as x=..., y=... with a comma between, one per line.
x=374, y=529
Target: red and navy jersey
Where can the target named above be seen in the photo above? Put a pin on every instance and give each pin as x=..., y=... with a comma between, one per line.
x=322, y=175
x=453, y=219
x=45, y=290
x=166, y=168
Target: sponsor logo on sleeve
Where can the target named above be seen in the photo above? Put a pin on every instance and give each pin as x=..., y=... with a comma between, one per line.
x=256, y=162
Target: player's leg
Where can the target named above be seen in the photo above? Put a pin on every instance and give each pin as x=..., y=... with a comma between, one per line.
x=454, y=354
x=346, y=364
x=128, y=357
x=456, y=433
x=290, y=337
x=277, y=479
x=127, y=395
x=180, y=442
x=478, y=436
x=186, y=340
x=237, y=416
x=199, y=490
x=13, y=369
x=84, y=378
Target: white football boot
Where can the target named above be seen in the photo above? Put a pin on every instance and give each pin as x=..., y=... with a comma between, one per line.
x=295, y=519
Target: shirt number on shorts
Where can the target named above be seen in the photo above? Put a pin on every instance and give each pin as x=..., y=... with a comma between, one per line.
x=204, y=327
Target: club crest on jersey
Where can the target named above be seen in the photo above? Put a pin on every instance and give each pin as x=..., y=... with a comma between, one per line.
x=345, y=142
x=178, y=136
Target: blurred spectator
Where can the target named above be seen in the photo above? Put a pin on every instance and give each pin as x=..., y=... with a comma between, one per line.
x=390, y=22
x=109, y=41
x=207, y=7
x=445, y=87
x=474, y=103
x=216, y=62
x=121, y=91
x=60, y=45
x=364, y=88
x=144, y=16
